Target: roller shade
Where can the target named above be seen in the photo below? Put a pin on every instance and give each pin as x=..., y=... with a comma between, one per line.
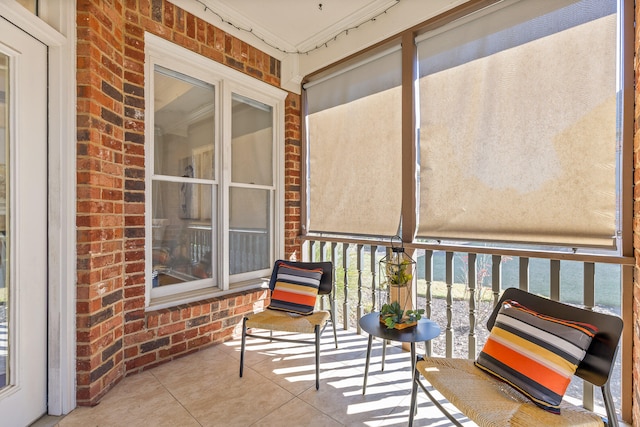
x=518, y=129
x=354, y=149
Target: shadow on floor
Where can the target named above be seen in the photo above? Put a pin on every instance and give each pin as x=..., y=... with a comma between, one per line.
x=278, y=388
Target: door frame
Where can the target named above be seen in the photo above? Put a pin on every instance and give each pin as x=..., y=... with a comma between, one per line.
x=55, y=27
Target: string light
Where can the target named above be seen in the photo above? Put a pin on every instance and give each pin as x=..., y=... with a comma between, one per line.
x=305, y=52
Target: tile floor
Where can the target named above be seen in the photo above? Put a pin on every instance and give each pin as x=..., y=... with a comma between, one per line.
x=278, y=389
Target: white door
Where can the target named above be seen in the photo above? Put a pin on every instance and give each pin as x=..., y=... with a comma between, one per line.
x=23, y=227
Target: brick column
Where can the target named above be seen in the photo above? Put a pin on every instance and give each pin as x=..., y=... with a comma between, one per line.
x=293, y=179
x=100, y=204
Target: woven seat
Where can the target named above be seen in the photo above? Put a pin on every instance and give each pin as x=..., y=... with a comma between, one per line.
x=490, y=402
x=287, y=322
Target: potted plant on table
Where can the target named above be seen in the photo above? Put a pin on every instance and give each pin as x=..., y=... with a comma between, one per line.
x=396, y=273
x=394, y=317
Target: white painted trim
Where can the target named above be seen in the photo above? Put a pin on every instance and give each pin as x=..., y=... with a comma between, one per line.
x=192, y=62
x=31, y=24
x=61, y=14
x=62, y=175
x=62, y=159
x=159, y=51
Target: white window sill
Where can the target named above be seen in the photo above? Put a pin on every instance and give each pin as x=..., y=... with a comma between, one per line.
x=202, y=294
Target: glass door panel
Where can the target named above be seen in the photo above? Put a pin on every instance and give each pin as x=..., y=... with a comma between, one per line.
x=23, y=226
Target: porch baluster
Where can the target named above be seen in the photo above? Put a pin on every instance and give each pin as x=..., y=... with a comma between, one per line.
x=311, y=244
x=334, y=259
x=496, y=277
x=554, y=279
x=373, y=266
x=428, y=277
x=588, y=394
x=472, y=277
x=359, y=267
x=449, y=281
x=323, y=257
x=524, y=273
x=345, y=266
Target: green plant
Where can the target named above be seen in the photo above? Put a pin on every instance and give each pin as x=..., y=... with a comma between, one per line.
x=393, y=314
x=399, y=274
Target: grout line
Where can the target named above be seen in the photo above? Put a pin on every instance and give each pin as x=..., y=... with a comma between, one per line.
x=175, y=398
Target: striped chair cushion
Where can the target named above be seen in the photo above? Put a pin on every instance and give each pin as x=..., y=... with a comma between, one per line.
x=296, y=289
x=534, y=353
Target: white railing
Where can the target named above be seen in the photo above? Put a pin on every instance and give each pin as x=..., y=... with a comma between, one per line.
x=457, y=286
x=248, y=250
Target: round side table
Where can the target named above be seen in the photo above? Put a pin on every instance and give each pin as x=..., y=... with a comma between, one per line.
x=425, y=330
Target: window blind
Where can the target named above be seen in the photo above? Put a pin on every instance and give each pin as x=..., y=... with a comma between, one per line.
x=518, y=128
x=354, y=149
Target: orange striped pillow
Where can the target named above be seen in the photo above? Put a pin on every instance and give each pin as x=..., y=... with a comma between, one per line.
x=535, y=353
x=295, y=289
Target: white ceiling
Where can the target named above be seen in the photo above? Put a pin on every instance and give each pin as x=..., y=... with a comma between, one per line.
x=299, y=25
x=306, y=37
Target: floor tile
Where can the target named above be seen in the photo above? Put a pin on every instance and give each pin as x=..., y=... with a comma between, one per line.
x=277, y=388
x=136, y=400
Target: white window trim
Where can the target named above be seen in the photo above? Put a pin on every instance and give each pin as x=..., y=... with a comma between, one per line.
x=226, y=80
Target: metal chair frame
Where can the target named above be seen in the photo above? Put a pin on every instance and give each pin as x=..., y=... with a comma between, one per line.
x=326, y=287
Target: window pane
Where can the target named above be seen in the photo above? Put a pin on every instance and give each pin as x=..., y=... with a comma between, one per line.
x=183, y=232
x=30, y=5
x=251, y=142
x=184, y=126
x=249, y=230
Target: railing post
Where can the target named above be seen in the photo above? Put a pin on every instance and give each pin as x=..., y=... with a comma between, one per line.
x=472, y=274
x=374, y=264
x=449, y=281
x=554, y=279
x=323, y=258
x=524, y=274
x=323, y=248
x=310, y=247
x=496, y=277
x=428, y=277
x=359, y=266
x=345, y=305
x=588, y=396
x=334, y=259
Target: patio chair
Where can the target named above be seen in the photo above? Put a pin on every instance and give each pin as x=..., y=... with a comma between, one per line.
x=285, y=315
x=490, y=401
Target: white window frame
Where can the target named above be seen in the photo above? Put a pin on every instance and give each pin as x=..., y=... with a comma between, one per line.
x=226, y=81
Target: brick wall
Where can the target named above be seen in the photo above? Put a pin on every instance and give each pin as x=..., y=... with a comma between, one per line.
x=115, y=336
x=293, y=180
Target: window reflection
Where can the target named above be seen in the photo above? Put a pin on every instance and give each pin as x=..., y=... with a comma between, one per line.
x=30, y=5
x=183, y=188
x=250, y=204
